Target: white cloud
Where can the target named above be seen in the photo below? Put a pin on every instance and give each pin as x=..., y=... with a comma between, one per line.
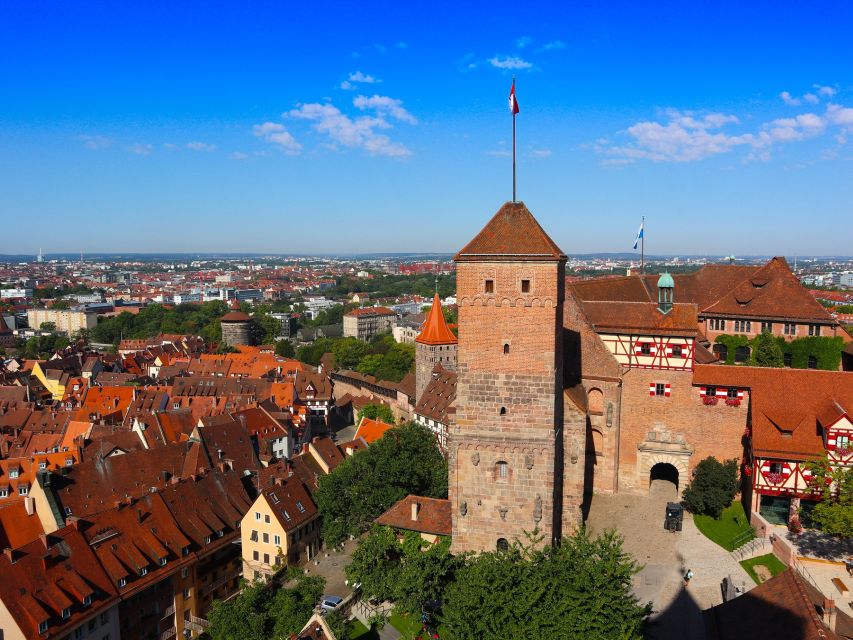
x=140, y=149
x=825, y=91
x=811, y=98
x=554, y=45
x=499, y=153
x=95, y=142
x=357, y=78
x=201, y=146
x=171, y=146
x=523, y=41
x=385, y=106
x=684, y=136
x=360, y=132
x=279, y=135
x=510, y=62
x=788, y=99
x=239, y=155
x=540, y=153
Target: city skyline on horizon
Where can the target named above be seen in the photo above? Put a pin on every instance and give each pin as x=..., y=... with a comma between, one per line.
x=124, y=132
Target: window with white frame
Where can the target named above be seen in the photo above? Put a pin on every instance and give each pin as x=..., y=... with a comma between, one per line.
x=23, y=490
x=790, y=329
x=277, y=540
x=718, y=324
x=842, y=442
x=743, y=326
x=814, y=329
x=767, y=327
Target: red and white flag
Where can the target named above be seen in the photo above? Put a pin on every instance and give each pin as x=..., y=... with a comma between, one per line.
x=513, y=103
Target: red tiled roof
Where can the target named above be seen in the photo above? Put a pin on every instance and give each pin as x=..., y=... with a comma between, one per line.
x=435, y=329
x=371, y=311
x=512, y=234
x=371, y=430
x=780, y=608
x=235, y=316
x=641, y=317
x=290, y=502
x=437, y=402
x=433, y=515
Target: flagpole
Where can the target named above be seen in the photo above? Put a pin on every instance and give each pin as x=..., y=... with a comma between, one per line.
x=513, y=144
x=643, y=246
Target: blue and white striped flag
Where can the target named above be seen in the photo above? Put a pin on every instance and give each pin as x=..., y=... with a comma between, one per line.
x=639, y=235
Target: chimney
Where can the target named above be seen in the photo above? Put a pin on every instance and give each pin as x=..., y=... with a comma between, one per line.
x=416, y=507
x=30, y=505
x=828, y=613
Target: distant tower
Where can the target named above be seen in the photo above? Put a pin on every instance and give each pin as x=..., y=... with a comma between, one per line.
x=435, y=344
x=235, y=327
x=666, y=292
x=506, y=449
x=41, y=256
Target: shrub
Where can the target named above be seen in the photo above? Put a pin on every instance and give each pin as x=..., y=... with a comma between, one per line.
x=712, y=488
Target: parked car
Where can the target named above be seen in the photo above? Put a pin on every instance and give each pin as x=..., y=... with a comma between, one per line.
x=674, y=516
x=330, y=603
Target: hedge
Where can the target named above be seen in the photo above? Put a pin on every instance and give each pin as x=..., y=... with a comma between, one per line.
x=827, y=350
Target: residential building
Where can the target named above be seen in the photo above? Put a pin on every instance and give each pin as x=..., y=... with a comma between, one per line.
x=16, y=293
x=281, y=528
x=430, y=517
x=69, y=321
x=368, y=322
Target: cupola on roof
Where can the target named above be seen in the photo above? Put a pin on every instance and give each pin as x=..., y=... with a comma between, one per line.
x=665, y=281
x=435, y=330
x=512, y=234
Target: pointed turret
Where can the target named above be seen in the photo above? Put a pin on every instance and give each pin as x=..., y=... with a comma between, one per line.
x=436, y=344
x=435, y=329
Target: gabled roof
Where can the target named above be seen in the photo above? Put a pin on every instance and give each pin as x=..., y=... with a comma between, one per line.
x=435, y=329
x=432, y=515
x=371, y=430
x=642, y=318
x=512, y=234
x=438, y=401
x=290, y=502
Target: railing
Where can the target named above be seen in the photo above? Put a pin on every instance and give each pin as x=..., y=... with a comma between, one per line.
x=168, y=633
x=169, y=612
x=213, y=586
x=805, y=573
x=189, y=624
x=742, y=538
x=750, y=549
x=199, y=621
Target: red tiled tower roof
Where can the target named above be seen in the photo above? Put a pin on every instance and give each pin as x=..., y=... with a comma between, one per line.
x=512, y=234
x=435, y=329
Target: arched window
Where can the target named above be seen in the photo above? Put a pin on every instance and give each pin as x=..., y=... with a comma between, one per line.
x=501, y=469
x=506, y=349
x=503, y=411
x=502, y=545
x=741, y=354
x=721, y=350
x=595, y=400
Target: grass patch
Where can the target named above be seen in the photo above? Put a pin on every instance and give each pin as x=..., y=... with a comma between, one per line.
x=357, y=631
x=407, y=624
x=732, y=523
x=773, y=564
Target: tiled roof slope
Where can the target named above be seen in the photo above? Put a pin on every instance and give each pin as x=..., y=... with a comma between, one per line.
x=790, y=407
x=642, y=317
x=779, y=608
x=512, y=234
x=290, y=502
x=437, y=402
x=433, y=515
x=435, y=329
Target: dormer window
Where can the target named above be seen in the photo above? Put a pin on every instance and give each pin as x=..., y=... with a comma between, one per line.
x=122, y=582
x=43, y=627
x=67, y=511
x=185, y=551
x=207, y=539
x=14, y=473
x=66, y=613
x=43, y=464
x=163, y=561
x=300, y=507
x=87, y=600
x=220, y=533
x=143, y=571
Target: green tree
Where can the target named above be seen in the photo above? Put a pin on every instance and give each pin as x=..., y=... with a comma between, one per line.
x=766, y=351
x=262, y=611
x=48, y=326
x=581, y=589
x=349, y=352
x=376, y=412
x=833, y=514
x=376, y=564
x=406, y=460
x=397, y=362
x=370, y=364
x=284, y=349
x=713, y=487
x=61, y=304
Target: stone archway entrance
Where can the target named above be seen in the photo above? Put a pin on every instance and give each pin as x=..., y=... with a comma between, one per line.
x=663, y=466
x=665, y=472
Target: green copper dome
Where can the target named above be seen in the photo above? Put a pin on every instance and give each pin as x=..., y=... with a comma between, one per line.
x=666, y=282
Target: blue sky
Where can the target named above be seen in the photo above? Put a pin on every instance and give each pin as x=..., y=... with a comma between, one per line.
x=361, y=127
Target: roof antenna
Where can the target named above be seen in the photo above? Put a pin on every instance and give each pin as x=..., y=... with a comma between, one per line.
x=436, y=283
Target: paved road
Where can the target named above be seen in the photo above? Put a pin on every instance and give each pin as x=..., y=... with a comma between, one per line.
x=666, y=558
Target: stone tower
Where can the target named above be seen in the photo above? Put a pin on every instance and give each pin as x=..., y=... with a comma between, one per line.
x=235, y=327
x=505, y=449
x=435, y=344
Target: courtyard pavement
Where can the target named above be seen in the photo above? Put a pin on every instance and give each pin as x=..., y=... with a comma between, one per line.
x=330, y=564
x=666, y=558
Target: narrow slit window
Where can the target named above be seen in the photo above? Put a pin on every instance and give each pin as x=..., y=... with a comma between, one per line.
x=525, y=286
x=490, y=286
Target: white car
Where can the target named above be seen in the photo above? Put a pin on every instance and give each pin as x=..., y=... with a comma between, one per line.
x=330, y=603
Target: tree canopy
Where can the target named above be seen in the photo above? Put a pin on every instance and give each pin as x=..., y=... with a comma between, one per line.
x=713, y=487
x=766, y=351
x=383, y=357
x=261, y=611
x=581, y=589
x=194, y=319
x=406, y=460
x=376, y=412
x=833, y=514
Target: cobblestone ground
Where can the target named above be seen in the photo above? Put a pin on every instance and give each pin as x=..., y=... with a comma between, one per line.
x=666, y=558
x=332, y=569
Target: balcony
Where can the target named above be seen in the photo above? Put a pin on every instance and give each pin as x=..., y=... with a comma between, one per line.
x=222, y=580
x=199, y=625
x=168, y=613
x=168, y=633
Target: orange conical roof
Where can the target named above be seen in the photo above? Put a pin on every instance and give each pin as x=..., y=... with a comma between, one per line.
x=435, y=329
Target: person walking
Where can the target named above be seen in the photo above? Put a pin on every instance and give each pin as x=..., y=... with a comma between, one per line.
x=688, y=577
